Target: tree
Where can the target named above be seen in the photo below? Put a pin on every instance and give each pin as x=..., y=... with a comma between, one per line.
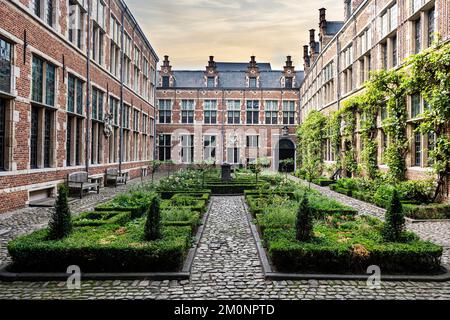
x=152, y=230
x=394, y=224
x=304, y=221
x=60, y=225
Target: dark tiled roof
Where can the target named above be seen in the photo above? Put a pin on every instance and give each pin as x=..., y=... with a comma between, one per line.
x=333, y=27
x=240, y=66
x=232, y=79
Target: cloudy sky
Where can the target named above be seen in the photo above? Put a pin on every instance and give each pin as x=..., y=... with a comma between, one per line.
x=189, y=31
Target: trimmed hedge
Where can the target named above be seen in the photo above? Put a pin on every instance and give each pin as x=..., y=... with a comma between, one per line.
x=350, y=247
x=112, y=206
x=320, y=205
x=102, y=249
x=99, y=218
x=430, y=211
x=165, y=195
x=324, y=182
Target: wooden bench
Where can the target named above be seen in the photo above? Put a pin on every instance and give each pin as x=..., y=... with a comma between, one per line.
x=81, y=182
x=115, y=176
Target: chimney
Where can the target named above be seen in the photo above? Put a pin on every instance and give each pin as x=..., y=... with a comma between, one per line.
x=322, y=18
x=252, y=62
x=306, y=57
x=211, y=62
x=166, y=62
x=288, y=61
x=347, y=9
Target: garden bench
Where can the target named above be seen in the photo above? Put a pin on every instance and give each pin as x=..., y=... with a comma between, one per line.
x=115, y=176
x=81, y=182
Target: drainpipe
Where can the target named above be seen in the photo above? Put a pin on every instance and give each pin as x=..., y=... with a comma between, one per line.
x=121, y=88
x=88, y=89
x=338, y=78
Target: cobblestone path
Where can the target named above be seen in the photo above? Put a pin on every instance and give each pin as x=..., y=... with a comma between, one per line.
x=226, y=266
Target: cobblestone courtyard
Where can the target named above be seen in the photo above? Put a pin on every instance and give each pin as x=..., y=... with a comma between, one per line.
x=226, y=265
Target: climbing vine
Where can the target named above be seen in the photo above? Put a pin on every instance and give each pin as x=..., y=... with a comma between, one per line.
x=310, y=136
x=393, y=85
x=427, y=73
x=430, y=76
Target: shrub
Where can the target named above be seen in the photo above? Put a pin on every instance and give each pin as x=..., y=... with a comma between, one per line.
x=394, y=220
x=60, y=224
x=418, y=191
x=304, y=222
x=430, y=211
x=152, y=229
x=98, y=218
x=382, y=195
x=108, y=248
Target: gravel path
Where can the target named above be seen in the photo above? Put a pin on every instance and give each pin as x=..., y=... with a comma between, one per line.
x=226, y=266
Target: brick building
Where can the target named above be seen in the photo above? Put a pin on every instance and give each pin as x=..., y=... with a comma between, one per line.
x=374, y=35
x=228, y=112
x=61, y=94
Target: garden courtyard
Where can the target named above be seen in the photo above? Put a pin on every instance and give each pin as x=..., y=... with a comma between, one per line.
x=226, y=264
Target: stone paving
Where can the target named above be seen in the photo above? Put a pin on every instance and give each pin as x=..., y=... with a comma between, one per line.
x=226, y=266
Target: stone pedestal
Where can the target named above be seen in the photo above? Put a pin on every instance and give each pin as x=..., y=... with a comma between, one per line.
x=226, y=172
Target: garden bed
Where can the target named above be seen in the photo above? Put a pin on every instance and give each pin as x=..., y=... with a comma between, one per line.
x=110, y=244
x=284, y=262
x=414, y=197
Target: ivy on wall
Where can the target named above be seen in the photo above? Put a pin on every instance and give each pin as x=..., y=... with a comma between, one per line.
x=427, y=73
x=430, y=76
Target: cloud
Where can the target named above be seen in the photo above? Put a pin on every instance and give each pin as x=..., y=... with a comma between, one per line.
x=232, y=30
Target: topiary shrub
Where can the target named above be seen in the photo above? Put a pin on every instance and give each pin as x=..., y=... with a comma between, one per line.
x=395, y=220
x=304, y=222
x=152, y=229
x=60, y=224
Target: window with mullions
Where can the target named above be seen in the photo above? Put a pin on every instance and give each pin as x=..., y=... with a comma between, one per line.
x=76, y=23
x=41, y=146
x=431, y=146
x=165, y=111
x=187, y=148
x=288, y=82
x=211, y=82
x=209, y=148
x=44, y=9
x=415, y=106
x=75, y=95
x=417, y=35
x=97, y=104
x=126, y=116
x=165, y=81
x=114, y=108
x=252, y=112
x=136, y=120
x=165, y=147
x=34, y=132
x=5, y=66
x=233, y=111
x=417, y=147
x=187, y=111
x=233, y=155
x=253, y=141
x=271, y=111
x=431, y=26
x=210, y=111
x=288, y=112
x=253, y=82
x=2, y=133
x=43, y=82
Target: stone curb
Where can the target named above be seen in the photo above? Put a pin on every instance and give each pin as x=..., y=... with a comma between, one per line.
x=270, y=274
x=184, y=274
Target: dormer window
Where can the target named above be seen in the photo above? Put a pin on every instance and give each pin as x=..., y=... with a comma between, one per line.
x=288, y=83
x=253, y=82
x=211, y=82
x=165, y=82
